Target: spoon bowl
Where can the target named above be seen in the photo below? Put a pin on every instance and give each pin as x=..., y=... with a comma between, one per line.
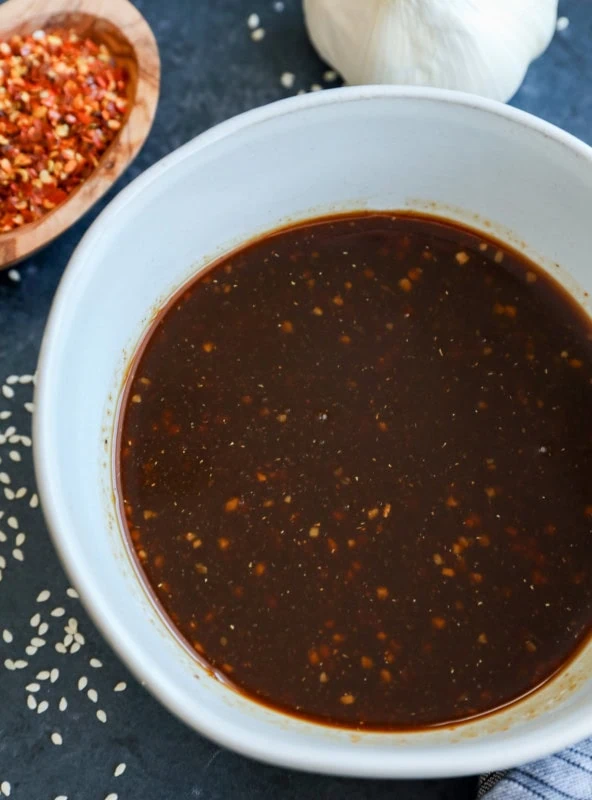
x=120, y=26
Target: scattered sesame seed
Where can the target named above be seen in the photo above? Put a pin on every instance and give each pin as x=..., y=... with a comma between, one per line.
x=256, y=36
x=56, y=738
x=43, y=596
x=119, y=770
x=43, y=628
x=329, y=76
x=61, y=797
x=120, y=687
x=287, y=80
x=31, y=702
x=111, y=796
x=14, y=275
x=30, y=407
x=35, y=620
x=8, y=392
x=82, y=683
x=14, y=455
x=63, y=704
x=315, y=87
x=18, y=554
x=43, y=675
x=75, y=647
x=13, y=523
x=72, y=593
x=92, y=695
x=32, y=687
x=20, y=663
x=562, y=23
x=253, y=21
x=54, y=675
x=37, y=641
x=94, y=662
x=5, y=788
x=30, y=650
x=7, y=636
x=20, y=539
x=42, y=707
x=58, y=612
x=101, y=716
x=279, y=6
x=60, y=648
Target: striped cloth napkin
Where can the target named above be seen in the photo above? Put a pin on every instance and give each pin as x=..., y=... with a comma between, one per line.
x=564, y=776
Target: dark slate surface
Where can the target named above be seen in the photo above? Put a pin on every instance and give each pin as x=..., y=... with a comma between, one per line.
x=211, y=70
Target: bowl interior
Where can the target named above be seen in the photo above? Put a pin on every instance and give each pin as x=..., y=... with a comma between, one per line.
x=370, y=148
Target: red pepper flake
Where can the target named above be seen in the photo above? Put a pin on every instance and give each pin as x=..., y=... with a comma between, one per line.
x=62, y=102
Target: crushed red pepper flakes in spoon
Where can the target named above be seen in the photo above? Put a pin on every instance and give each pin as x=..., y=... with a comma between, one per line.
x=62, y=102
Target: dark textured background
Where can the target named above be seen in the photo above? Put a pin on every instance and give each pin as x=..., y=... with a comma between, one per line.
x=210, y=70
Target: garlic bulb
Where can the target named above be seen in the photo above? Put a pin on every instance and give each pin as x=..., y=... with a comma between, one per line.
x=479, y=46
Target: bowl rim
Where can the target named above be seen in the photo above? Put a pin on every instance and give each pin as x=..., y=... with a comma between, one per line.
x=427, y=760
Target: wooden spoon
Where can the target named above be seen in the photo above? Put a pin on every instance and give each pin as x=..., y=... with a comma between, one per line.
x=121, y=27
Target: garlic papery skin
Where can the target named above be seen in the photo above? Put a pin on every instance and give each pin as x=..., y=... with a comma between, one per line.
x=478, y=46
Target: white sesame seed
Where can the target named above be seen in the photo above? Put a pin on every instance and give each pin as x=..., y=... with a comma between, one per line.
x=30, y=407
x=54, y=675
x=8, y=493
x=7, y=636
x=43, y=596
x=56, y=738
x=35, y=620
x=12, y=379
x=63, y=704
x=5, y=414
x=60, y=648
x=58, y=612
x=34, y=501
x=329, y=76
x=20, y=539
x=287, y=80
x=37, y=641
x=5, y=788
x=8, y=392
x=82, y=683
x=315, y=87
x=26, y=441
x=14, y=455
x=32, y=687
x=43, y=706
x=79, y=638
x=20, y=493
x=14, y=275
x=73, y=624
x=94, y=662
x=253, y=21
x=279, y=6
x=101, y=716
x=111, y=796
x=26, y=379
x=3, y=537
x=43, y=628
x=13, y=523
x=9, y=664
x=119, y=769
x=2, y=559
x=30, y=649
x=562, y=23
x=61, y=797
x=256, y=36
x=43, y=675
x=120, y=687
x=92, y=695
x=18, y=554
x=4, y=478
x=31, y=702
x=68, y=639
x=75, y=647
x=72, y=592
x=20, y=663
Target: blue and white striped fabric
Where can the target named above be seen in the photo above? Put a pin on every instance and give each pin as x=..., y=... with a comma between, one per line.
x=564, y=776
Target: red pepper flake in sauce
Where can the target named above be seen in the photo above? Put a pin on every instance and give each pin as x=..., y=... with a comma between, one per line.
x=62, y=102
x=343, y=401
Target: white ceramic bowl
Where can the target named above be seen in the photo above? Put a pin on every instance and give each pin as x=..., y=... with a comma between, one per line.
x=472, y=160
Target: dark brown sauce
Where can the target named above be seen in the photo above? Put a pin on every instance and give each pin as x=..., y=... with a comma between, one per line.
x=355, y=463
